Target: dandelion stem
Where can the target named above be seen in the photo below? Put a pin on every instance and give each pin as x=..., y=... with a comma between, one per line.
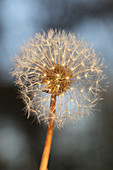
x=47, y=147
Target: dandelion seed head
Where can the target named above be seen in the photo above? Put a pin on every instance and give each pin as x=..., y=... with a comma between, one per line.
x=60, y=64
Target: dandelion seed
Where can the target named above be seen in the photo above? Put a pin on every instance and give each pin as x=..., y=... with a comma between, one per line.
x=58, y=64
x=82, y=90
x=78, y=77
x=86, y=75
x=59, y=77
x=90, y=88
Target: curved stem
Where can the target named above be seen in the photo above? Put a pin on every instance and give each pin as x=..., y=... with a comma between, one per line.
x=47, y=147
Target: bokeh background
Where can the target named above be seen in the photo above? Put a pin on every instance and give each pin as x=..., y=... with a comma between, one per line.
x=87, y=145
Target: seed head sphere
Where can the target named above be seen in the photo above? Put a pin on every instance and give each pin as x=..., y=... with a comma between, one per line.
x=57, y=63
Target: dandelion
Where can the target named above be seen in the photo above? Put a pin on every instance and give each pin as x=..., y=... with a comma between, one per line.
x=60, y=79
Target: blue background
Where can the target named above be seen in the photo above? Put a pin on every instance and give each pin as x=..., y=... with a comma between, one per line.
x=87, y=145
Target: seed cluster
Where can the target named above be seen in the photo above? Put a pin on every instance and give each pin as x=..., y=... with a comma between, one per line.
x=57, y=79
x=58, y=64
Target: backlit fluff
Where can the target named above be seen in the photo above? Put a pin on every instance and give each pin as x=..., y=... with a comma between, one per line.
x=58, y=64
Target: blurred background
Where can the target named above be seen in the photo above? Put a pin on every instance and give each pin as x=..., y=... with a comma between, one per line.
x=87, y=145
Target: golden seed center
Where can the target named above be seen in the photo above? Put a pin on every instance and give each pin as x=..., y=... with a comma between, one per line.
x=57, y=80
